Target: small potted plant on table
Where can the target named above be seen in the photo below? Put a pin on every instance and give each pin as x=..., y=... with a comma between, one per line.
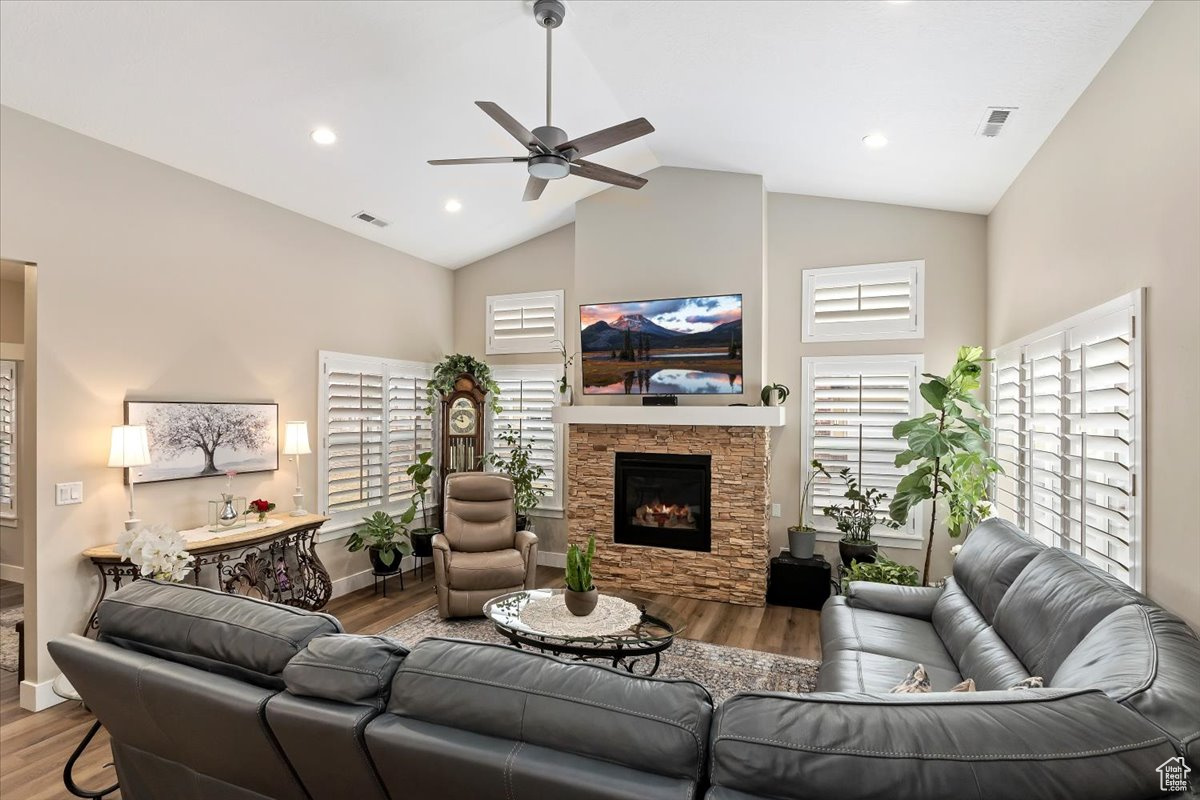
x=580, y=596
x=385, y=540
x=856, y=519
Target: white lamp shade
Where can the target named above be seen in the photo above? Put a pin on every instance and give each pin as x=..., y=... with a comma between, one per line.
x=295, y=439
x=130, y=447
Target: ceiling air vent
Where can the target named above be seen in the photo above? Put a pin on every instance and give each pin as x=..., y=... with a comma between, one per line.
x=371, y=218
x=994, y=119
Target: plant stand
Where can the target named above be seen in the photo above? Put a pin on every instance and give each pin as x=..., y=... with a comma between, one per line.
x=377, y=577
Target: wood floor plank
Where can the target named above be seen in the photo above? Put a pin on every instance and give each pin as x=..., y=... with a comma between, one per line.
x=34, y=747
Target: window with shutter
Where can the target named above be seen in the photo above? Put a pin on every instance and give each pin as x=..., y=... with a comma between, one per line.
x=8, y=438
x=850, y=406
x=373, y=424
x=874, y=301
x=524, y=323
x=527, y=395
x=1067, y=413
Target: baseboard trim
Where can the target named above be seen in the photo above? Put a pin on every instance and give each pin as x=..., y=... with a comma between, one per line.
x=359, y=580
x=39, y=696
x=552, y=559
x=11, y=572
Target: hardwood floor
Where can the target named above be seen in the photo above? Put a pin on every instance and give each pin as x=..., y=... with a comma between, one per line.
x=35, y=747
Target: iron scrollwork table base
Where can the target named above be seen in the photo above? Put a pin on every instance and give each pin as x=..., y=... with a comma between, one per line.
x=279, y=563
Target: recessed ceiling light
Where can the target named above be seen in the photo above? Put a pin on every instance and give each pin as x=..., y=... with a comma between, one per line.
x=324, y=136
x=875, y=140
x=453, y=206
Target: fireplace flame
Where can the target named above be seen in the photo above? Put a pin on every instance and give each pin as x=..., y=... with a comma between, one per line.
x=658, y=514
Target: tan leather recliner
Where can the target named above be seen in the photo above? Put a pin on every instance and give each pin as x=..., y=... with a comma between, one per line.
x=480, y=554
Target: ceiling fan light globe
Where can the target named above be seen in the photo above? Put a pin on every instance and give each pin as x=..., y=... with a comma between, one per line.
x=549, y=167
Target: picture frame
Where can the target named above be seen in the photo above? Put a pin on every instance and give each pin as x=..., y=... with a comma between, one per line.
x=193, y=439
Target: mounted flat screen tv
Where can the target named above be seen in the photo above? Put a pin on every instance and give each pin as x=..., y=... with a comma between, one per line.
x=684, y=345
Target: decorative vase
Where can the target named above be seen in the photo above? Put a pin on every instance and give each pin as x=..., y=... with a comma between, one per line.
x=262, y=516
x=581, y=603
x=801, y=542
x=857, y=550
x=228, y=515
x=377, y=563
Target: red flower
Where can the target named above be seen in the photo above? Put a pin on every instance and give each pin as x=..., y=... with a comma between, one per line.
x=261, y=506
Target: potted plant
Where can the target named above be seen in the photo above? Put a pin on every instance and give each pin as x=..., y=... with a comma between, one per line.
x=521, y=470
x=773, y=390
x=422, y=538
x=856, y=519
x=883, y=570
x=564, y=389
x=580, y=595
x=261, y=508
x=802, y=537
x=949, y=447
x=385, y=540
x=446, y=372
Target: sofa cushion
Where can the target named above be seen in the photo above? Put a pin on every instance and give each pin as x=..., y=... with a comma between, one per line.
x=853, y=671
x=1148, y=660
x=495, y=569
x=844, y=627
x=991, y=558
x=346, y=668
x=1053, y=605
x=972, y=643
x=233, y=635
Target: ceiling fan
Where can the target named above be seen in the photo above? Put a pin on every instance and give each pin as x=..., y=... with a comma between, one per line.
x=551, y=155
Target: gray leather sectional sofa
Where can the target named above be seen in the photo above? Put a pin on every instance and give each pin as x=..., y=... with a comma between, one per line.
x=206, y=695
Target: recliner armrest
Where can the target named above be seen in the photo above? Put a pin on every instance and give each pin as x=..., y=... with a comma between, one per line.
x=1033, y=744
x=524, y=541
x=907, y=601
x=440, y=542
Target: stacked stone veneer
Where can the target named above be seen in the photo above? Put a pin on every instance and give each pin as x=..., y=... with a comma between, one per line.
x=736, y=569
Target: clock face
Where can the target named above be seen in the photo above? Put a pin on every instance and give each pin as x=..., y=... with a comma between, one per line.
x=462, y=417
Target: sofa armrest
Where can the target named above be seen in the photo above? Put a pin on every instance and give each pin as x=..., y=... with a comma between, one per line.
x=1027, y=745
x=907, y=601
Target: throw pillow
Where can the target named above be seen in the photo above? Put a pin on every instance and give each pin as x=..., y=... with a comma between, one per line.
x=966, y=686
x=915, y=682
x=1034, y=682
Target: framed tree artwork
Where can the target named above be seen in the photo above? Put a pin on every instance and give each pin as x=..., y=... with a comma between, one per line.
x=196, y=440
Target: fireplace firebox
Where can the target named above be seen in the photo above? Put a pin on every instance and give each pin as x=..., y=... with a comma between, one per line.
x=663, y=500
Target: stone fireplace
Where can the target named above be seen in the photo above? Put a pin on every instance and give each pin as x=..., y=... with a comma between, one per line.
x=643, y=546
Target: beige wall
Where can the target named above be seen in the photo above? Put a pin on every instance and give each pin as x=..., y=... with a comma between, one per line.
x=153, y=283
x=1111, y=203
x=12, y=314
x=12, y=332
x=807, y=232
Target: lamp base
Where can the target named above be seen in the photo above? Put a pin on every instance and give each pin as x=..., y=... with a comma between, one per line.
x=132, y=524
x=298, y=500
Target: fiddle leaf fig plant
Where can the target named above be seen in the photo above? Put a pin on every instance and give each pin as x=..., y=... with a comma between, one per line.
x=948, y=447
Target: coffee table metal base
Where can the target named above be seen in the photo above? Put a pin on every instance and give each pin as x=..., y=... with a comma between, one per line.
x=626, y=657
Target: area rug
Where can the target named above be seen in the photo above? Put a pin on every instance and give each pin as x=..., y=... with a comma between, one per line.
x=9, y=641
x=723, y=670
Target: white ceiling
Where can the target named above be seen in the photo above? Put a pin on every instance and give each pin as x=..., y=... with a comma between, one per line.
x=230, y=91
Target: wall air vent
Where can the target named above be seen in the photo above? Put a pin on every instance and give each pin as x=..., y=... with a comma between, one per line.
x=994, y=120
x=371, y=218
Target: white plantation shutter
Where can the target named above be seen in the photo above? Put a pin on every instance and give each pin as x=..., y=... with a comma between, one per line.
x=1068, y=415
x=527, y=396
x=8, y=437
x=524, y=323
x=373, y=424
x=850, y=407
x=874, y=301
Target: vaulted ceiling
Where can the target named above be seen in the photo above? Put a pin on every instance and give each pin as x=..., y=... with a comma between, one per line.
x=230, y=91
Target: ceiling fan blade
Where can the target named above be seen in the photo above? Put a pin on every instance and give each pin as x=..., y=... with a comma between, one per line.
x=586, y=169
x=609, y=137
x=534, y=187
x=441, y=162
x=516, y=129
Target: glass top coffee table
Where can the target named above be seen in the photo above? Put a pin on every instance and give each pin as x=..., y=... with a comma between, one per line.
x=637, y=648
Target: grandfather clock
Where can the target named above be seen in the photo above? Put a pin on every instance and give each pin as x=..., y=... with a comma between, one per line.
x=462, y=427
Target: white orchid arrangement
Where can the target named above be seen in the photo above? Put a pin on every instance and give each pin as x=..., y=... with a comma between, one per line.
x=158, y=551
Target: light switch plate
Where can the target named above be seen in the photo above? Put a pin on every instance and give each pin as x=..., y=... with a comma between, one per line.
x=776, y=510
x=66, y=494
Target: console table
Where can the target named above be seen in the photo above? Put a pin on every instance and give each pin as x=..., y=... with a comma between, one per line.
x=278, y=563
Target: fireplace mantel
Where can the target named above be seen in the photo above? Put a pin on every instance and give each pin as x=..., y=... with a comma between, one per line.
x=717, y=416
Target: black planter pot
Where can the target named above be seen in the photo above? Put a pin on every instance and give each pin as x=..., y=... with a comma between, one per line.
x=522, y=522
x=422, y=541
x=862, y=552
x=379, y=567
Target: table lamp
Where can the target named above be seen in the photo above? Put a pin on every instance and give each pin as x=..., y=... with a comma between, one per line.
x=130, y=448
x=295, y=443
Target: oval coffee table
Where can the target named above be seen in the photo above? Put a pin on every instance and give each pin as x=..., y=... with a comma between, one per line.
x=640, y=644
